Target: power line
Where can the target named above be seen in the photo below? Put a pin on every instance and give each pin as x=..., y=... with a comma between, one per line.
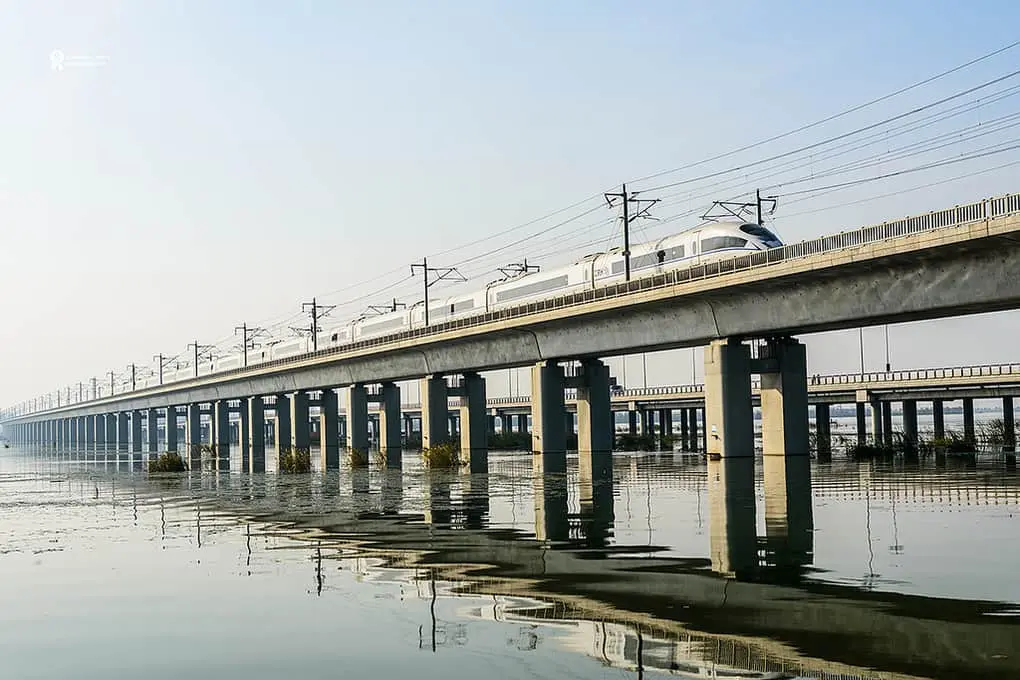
x=831, y=118
x=248, y=336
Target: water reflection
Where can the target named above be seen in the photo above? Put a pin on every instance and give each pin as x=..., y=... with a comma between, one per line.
x=616, y=566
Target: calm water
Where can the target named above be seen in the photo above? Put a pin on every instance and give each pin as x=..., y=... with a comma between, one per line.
x=677, y=568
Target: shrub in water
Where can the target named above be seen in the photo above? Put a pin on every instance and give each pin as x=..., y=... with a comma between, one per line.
x=167, y=462
x=295, y=460
x=359, y=458
x=445, y=455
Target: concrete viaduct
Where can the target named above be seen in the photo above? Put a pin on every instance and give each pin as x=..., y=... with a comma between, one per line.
x=961, y=260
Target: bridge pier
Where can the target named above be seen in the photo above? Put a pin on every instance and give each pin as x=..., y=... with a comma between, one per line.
x=221, y=434
x=282, y=425
x=123, y=445
x=111, y=433
x=256, y=434
x=244, y=436
x=938, y=416
x=784, y=399
x=685, y=444
x=595, y=423
x=877, y=422
x=193, y=436
x=1008, y=425
x=910, y=422
x=98, y=435
x=300, y=422
x=823, y=432
x=632, y=422
x=329, y=435
x=887, y=429
x=474, y=435
x=357, y=418
x=136, y=431
x=434, y=411
x=968, y=420
x=548, y=438
x=389, y=424
x=728, y=411
x=80, y=433
x=152, y=430
x=698, y=443
x=862, y=423
x=171, y=429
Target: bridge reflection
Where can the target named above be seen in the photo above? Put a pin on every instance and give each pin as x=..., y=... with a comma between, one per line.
x=751, y=603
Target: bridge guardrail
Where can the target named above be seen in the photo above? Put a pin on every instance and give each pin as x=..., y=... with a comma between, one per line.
x=950, y=217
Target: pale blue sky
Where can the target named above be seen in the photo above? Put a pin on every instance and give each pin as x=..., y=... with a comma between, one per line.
x=217, y=162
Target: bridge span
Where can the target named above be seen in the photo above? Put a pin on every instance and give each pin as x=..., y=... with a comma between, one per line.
x=962, y=260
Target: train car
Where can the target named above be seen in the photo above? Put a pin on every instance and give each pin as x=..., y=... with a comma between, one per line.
x=340, y=335
x=538, y=285
x=380, y=324
x=292, y=347
x=228, y=363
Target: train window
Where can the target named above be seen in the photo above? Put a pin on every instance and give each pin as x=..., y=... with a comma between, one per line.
x=333, y=337
x=661, y=255
x=721, y=242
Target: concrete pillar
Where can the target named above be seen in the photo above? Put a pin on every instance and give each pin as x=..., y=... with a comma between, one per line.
x=646, y=423
x=696, y=441
x=938, y=416
x=329, y=436
x=877, y=424
x=685, y=433
x=548, y=439
x=193, y=435
x=887, y=430
x=357, y=418
x=111, y=431
x=171, y=429
x=300, y=435
x=968, y=420
x=99, y=433
x=823, y=431
x=152, y=429
x=910, y=421
x=862, y=423
x=784, y=402
x=434, y=411
x=256, y=434
x=474, y=434
x=136, y=431
x=221, y=436
x=491, y=424
x=729, y=419
x=666, y=422
x=282, y=424
x=244, y=436
x=80, y=437
x=389, y=424
x=123, y=419
x=632, y=418
x=522, y=422
x=568, y=424
x=1008, y=425
x=594, y=422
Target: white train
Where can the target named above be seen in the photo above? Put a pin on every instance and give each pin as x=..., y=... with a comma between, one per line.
x=710, y=243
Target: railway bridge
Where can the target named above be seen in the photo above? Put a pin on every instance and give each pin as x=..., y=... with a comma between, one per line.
x=748, y=311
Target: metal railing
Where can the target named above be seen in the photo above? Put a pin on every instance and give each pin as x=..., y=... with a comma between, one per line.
x=950, y=217
x=979, y=371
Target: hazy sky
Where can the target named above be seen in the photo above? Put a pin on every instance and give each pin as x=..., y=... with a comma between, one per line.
x=199, y=164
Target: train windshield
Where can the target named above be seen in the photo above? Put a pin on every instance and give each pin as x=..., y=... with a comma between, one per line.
x=770, y=239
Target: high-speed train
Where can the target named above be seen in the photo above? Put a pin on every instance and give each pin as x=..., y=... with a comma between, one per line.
x=710, y=243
